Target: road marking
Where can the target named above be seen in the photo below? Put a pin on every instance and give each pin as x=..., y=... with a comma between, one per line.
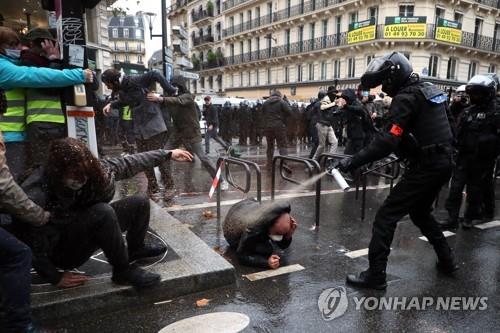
x=163, y=302
x=217, y=322
x=488, y=225
x=445, y=233
x=357, y=253
x=267, y=198
x=274, y=272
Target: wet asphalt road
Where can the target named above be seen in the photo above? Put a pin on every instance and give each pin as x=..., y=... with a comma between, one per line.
x=289, y=303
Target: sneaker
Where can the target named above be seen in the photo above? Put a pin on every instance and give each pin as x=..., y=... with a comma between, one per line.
x=136, y=277
x=224, y=186
x=147, y=251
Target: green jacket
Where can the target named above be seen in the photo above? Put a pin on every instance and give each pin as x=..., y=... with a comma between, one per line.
x=186, y=125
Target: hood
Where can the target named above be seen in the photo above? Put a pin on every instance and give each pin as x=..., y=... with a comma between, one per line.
x=273, y=100
x=349, y=95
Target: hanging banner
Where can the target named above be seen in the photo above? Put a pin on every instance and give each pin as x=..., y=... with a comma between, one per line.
x=449, y=31
x=397, y=27
x=362, y=31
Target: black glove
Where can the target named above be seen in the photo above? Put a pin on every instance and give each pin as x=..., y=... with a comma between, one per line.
x=345, y=165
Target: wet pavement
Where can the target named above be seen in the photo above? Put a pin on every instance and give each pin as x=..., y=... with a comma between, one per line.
x=289, y=302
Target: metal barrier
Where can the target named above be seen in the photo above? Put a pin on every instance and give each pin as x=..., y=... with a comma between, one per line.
x=363, y=176
x=313, y=169
x=248, y=177
x=374, y=171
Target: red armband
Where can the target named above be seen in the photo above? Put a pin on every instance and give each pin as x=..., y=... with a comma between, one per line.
x=396, y=130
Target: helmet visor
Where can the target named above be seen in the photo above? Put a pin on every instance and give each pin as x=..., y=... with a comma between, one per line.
x=376, y=72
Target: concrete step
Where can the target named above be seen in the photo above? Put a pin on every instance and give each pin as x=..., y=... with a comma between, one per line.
x=192, y=266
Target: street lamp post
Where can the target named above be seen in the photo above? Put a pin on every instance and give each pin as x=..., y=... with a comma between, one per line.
x=163, y=35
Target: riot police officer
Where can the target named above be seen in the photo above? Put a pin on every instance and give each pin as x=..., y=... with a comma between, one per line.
x=478, y=146
x=418, y=129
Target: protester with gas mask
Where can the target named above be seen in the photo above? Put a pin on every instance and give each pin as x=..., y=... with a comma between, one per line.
x=77, y=189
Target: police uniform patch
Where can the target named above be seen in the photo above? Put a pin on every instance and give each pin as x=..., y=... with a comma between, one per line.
x=396, y=130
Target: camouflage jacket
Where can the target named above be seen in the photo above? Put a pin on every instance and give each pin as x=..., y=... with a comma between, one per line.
x=13, y=200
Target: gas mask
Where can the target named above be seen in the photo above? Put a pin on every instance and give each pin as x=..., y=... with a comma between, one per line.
x=276, y=238
x=74, y=184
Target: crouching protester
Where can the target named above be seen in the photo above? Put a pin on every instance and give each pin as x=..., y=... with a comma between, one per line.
x=77, y=188
x=259, y=232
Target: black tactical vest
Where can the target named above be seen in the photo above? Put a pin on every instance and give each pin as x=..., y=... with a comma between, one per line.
x=479, y=132
x=430, y=125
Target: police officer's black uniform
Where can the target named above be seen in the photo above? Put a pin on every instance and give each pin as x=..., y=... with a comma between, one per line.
x=417, y=112
x=478, y=146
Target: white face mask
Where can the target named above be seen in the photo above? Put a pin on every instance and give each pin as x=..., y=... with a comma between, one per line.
x=276, y=238
x=13, y=53
x=74, y=185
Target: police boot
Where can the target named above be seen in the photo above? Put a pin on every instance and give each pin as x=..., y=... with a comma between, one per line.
x=467, y=223
x=446, y=260
x=449, y=223
x=368, y=279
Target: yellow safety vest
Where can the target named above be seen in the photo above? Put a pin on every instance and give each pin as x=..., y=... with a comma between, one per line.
x=127, y=113
x=43, y=107
x=13, y=118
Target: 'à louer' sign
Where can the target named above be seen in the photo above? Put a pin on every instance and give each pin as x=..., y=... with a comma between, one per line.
x=361, y=31
x=449, y=31
x=397, y=27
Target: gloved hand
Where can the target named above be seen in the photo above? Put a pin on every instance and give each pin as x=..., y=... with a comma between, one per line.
x=345, y=165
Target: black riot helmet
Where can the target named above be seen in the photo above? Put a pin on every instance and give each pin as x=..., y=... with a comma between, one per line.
x=481, y=89
x=391, y=71
x=179, y=82
x=495, y=78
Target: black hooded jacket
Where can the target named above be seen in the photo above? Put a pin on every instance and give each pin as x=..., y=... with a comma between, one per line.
x=275, y=113
x=354, y=115
x=246, y=229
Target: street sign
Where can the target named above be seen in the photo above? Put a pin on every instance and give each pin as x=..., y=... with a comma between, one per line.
x=188, y=75
x=81, y=125
x=170, y=72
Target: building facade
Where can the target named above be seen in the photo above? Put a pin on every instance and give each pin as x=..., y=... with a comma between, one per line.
x=246, y=48
x=126, y=40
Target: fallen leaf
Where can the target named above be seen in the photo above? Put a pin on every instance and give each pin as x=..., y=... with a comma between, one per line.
x=208, y=214
x=202, y=302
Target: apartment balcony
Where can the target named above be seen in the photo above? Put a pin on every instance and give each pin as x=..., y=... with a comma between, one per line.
x=202, y=18
x=489, y=3
x=230, y=4
x=129, y=50
x=469, y=40
x=283, y=14
x=179, y=32
x=209, y=65
x=203, y=41
x=177, y=7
